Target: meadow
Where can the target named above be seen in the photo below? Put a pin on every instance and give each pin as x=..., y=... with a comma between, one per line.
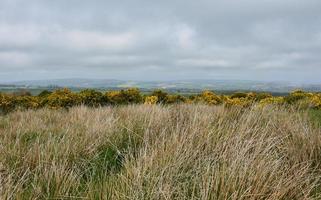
x=160, y=152
x=203, y=147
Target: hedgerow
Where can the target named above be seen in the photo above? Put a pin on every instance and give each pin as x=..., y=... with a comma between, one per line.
x=65, y=98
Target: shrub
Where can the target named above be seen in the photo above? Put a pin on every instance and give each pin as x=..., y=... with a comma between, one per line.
x=129, y=96
x=209, y=98
x=65, y=99
x=61, y=99
x=316, y=101
x=161, y=96
x=171, y=99
x=26, y=102
x=44, y=93
x=296, y=96
x=261, y=96
x=114, y=97
x=6, y=103
x=92, y=98
x=241, y=102
x=150, y=100
x=239, y=95
x=272, y=101
x=133, y=95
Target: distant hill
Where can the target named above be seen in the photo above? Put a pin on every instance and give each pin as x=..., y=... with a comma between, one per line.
x=220, y=85
x=81, y=83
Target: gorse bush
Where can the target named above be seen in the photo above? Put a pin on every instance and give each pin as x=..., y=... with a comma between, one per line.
x=26, y=102
x=239, y=95
x=261, y=96
x=7, y=103
x=129, y=96
x=208, y=97
x=172, y=99
x=44, y=93
x=165, y=98
x=272, y=101
x=235, y=101
x=65, y=98
x=161, y=96
x=151, y=100
x=61, y=99
x=316, y=101
x=92, y=98
x=297, y=96
x=304, y=99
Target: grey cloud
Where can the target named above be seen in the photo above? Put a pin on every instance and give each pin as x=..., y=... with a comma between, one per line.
x=144, y=40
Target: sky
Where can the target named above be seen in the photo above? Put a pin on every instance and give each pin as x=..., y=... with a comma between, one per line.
x=270, y=40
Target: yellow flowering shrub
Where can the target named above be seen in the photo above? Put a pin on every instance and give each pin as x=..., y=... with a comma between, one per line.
x=151, y=100
x=6, y=103
x=260, y=96
x=251, y=95
x=242, y=102
x=238, y=95
x=61, y=99
x=129, y=96
x=296, y=96
x=133, y=96
x=44, y=94
x=114, y=96
x=272, y=101
x=209, y=98
x=27, y=102
x=316, y=101
x=161, y=96
x=91, y=98
x=65, y=98
x=170, y=99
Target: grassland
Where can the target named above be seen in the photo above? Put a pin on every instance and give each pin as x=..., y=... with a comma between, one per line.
x=160, y=152
x=315, y=116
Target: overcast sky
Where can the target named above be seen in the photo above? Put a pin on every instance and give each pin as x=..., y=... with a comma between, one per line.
x=161, y=40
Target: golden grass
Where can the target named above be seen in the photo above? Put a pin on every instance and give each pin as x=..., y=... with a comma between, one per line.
x=159, y=152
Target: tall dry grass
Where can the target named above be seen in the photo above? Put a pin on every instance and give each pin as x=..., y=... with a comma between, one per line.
x=156, y=152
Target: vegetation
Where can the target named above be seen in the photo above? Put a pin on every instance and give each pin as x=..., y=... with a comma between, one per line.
x=178, y=151
x=129, y=96
x=65, y=98
x=315, y=116
x=95, y=145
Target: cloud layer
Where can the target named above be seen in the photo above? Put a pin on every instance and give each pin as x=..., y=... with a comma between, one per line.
x=161, y=40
